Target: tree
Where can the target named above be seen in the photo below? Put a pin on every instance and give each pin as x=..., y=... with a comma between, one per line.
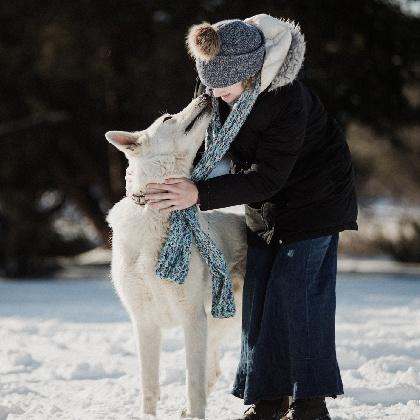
x=104, y=65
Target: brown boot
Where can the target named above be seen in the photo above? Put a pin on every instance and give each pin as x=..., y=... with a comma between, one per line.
x=307, y=409
x=267, y=409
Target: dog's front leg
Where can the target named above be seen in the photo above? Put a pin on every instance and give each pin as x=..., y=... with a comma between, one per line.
x=195, y=332
x=148, y=339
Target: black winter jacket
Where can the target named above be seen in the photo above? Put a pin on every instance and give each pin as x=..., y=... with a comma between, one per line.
x=290, y=165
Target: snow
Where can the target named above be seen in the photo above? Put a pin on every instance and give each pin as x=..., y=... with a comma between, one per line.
x=67, y=352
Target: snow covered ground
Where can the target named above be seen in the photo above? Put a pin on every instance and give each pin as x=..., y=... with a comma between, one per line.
x=67, y=352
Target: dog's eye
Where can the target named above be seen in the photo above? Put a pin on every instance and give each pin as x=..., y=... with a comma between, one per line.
x=167, y=118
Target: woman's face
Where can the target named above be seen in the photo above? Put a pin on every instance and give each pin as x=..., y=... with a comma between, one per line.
x=229, y=93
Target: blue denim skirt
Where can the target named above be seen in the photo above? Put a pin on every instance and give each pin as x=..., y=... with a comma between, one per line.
x=288, y=321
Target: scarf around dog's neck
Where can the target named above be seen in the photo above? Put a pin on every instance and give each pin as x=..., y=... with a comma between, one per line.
x=173, y=262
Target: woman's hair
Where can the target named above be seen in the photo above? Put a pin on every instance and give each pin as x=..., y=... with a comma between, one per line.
x=248, y=83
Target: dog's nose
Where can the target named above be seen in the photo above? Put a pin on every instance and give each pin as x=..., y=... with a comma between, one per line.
x=207, y=98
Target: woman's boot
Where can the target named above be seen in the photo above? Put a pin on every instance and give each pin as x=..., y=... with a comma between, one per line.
x=307, y=409
x=267, y=409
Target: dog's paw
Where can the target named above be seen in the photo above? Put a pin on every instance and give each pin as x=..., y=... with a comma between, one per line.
x=186, y=416
x=149, y=406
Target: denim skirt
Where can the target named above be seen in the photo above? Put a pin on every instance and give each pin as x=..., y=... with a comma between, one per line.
x=288, y=321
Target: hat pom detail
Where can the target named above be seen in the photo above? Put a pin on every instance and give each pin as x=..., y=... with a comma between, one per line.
x=203, y=41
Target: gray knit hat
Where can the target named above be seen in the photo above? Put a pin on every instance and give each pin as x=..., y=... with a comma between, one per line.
x=226, y=52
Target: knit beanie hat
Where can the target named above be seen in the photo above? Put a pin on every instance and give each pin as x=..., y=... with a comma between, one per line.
x=226, y=52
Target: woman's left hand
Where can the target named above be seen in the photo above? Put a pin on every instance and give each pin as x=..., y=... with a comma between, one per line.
x=180, y=194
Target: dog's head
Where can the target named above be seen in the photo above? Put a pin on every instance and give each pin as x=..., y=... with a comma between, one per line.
x=167, y=147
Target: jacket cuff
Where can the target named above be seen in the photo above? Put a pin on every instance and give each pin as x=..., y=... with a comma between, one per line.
x=203, y=195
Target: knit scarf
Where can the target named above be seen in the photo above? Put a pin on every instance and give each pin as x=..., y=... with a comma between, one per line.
x=173, y=261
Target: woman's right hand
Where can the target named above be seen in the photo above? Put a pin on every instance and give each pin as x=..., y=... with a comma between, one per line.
x=129, y=181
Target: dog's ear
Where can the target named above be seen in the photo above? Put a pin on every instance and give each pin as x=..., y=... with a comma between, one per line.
x=124, y=140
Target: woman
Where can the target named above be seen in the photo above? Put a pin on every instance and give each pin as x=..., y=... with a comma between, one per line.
x=291, y=167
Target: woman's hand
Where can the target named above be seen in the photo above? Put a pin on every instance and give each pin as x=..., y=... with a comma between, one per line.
x=180, y=194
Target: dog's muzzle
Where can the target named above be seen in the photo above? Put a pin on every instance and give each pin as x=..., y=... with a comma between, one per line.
x=207, y=98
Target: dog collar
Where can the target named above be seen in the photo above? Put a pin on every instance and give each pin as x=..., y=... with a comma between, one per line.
x=139, y=198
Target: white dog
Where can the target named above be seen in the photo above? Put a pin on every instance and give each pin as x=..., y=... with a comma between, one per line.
x=167, y=149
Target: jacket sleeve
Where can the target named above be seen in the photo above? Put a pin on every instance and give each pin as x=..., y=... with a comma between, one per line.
x=276, y=154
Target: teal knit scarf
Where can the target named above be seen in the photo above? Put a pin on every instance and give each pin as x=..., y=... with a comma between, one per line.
x=173, y=262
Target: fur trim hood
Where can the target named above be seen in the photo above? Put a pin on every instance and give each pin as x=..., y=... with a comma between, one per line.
x=281, y=66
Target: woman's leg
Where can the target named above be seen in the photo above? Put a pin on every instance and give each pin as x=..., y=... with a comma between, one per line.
x=288, y=336
x=313, y=361
x=260, y=257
